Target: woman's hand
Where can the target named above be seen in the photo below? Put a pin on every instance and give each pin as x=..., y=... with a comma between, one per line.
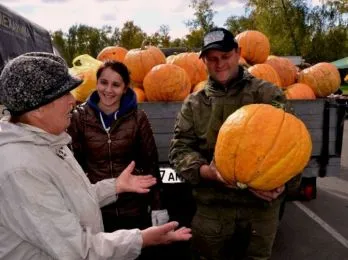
x=165, y=234
x=127, y=182
x=268, y=195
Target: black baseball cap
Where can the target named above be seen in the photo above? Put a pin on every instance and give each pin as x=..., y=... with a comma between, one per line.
x=218, y=39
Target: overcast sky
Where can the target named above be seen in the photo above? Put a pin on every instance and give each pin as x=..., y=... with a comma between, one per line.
x=147, y=14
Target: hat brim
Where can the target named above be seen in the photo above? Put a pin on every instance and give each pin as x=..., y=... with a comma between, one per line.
x=69, y=85
x=217, y=46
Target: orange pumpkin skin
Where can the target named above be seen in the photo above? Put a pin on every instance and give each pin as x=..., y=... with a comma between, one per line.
x=141, y=61
x=243, y=62
x=199, y=86
x=115, y=53
x=299, y=91
x=265, y=72
x=167, y=82
x=192, y=64
x=140, y=94
x=255, y=46
x=323, y=78
x=286, y=70
x=266, y=163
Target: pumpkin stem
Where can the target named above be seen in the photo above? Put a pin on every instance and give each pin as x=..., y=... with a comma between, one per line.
x=241, y=185
x=145, y=43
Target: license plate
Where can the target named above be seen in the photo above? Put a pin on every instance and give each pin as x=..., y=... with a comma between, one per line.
x=168, y=175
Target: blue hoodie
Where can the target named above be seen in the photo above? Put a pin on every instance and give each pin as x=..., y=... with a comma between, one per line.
x=128, y=103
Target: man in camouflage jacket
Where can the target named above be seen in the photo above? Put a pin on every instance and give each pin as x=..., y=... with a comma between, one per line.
x=225, y=216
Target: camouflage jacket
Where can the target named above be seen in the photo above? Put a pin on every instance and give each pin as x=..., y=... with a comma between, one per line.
x=198, y=124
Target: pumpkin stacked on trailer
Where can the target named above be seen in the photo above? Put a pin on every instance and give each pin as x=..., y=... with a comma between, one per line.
x=319, y=80
x=159, y=78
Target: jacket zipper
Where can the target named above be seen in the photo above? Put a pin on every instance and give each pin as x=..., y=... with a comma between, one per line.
x=110, y=161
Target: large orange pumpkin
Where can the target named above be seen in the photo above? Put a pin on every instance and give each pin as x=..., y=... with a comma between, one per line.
x=140, y=94
x=141, y=61
x=116, y=53
x=167, y=82
x=265, y=72
x=286, y=70
x=323, y=78
x=299, y=91
x=243, y=62
x=266, y=163
x=199, y=86
x=192, y=64
x=255, y=46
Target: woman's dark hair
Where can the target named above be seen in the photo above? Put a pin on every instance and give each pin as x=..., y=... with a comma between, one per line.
x=118, y=67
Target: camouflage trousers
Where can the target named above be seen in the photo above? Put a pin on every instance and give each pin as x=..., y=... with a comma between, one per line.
x=225, y=233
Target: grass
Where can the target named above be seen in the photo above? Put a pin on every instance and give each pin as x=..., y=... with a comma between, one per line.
x=344, y=88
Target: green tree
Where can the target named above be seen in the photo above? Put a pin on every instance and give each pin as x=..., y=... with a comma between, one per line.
x=328, y=32
x=201, y=23
x=131, y=36
x=283, y=21
x=239, y=24
x=82, y=39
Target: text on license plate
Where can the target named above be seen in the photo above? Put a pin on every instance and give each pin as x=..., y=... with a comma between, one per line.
x=168, y=175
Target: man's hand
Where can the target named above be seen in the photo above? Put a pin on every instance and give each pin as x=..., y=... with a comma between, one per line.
x=210, y=172
x=127, y=182
x=165, y=234
x=268, y=195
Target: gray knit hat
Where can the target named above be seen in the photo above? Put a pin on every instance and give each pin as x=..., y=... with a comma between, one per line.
x=34, y=79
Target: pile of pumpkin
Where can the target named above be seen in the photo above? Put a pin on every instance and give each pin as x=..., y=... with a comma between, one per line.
x=319, y=80
x=157, y=78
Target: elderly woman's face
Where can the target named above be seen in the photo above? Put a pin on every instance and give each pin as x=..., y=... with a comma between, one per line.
x=58, y=114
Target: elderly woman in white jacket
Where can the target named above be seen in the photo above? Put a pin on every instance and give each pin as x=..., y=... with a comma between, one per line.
x=48, y=207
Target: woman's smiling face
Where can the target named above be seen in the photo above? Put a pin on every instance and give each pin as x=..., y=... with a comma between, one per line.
x=110, y=87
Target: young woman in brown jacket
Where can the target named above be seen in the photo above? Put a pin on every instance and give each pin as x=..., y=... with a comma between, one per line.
x=108, y=132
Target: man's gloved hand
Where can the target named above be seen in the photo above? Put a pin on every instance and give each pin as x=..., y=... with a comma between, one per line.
x=159, y=217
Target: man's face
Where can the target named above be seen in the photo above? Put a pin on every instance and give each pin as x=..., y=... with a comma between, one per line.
x=222, y=66
x=56, y=116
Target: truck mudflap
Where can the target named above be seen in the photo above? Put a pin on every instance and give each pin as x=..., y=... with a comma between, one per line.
x=340, y=105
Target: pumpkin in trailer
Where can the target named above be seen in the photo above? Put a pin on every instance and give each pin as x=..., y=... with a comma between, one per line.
x=116, y=53
x=245, y=159
x=192, y=64
x=299, y=91
x=140, y=94
x=89, y=84
x=141, y=61
x=243, y=62
x=265, y=72
x=286, y=70
x=167, y=82
x=199, y=86
x=254, y=45
x=323, y=78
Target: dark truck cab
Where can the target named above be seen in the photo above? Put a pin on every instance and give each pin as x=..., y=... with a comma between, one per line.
x=19, y=35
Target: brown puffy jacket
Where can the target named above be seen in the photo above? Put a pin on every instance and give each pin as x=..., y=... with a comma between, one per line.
x=105, y=155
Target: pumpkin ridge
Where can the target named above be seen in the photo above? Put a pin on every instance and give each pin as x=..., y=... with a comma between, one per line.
x=236, y=152
x=258, y=172
x=274, y=180
x=299, y=151
x=320, y=71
